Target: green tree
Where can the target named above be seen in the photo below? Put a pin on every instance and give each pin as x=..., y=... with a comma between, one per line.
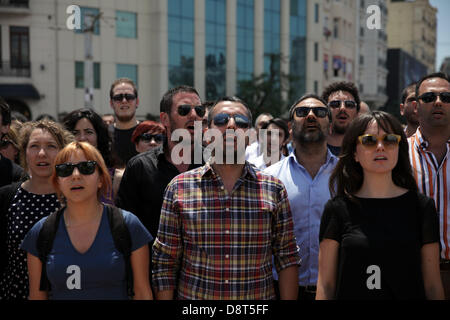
x=263, y=93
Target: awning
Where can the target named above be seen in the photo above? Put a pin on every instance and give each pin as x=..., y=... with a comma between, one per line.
x=19, y=91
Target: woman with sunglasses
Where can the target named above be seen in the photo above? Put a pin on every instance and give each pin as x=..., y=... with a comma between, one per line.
x=84, y=263
x=148, y=135
x=88, y=126
x=23, y=204
x=379, y=237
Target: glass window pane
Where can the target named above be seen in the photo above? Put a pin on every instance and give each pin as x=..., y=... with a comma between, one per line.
x=126, y=24
x=79, y=74
x=97, y=80
x=127, y=71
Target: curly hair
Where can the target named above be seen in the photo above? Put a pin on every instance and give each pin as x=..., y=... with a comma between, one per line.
x=61, y=136
x=347, y=177
x=104, y=141
x=342, y=86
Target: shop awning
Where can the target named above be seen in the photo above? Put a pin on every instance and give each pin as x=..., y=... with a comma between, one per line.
x=27, y=91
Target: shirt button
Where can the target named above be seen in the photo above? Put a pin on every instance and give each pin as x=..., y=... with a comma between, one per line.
x=226, y=281
x=227, y=209
x=227, y=231
x=222, y=187
x=227, y=256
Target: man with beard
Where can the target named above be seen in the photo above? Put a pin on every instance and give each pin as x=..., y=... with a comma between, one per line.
x=408, y=110
x=147, y=175
x=222, y=223
x=305, y=174
x=124, y=101
x=343, y=100
x=429, y=152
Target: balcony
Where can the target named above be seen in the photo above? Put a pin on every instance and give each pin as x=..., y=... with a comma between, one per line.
x=15, y=6
x=15, y=69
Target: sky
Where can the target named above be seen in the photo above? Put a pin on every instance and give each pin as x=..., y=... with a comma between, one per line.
x=443, y=30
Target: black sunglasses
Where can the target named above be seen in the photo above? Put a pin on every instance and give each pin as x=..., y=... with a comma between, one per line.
x=184, y=110
x=66, y=169
x=222, y=119
x=428, y=97
x=349, y=104
x=127, y=96
x=4, y=144
x=147, y=137
x=320, y=112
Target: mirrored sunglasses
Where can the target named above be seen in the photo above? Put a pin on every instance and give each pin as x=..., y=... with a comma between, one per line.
x=371, y=140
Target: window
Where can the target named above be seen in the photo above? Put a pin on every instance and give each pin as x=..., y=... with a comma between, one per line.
x=88, y=15
x=336, y=28
x=297, y=48
x=316, y=13
x=129, y=71
x=244, y=41
x=126, y=24
x=181, y=42
x=272, y=16
x=79, y=75
x=316, y=51
x=19, y=47
x=215, y=51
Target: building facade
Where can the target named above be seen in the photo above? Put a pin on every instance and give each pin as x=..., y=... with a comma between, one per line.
x=414, y=29
x=210, y=44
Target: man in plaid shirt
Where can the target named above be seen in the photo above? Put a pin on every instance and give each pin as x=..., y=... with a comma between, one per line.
x=222, y=223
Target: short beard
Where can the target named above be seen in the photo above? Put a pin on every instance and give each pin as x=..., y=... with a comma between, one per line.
x=126, y=118
x=339, y=129
x=303, y=137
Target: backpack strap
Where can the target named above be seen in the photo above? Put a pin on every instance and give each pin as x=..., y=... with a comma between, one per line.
x=122, y=241
x=45, y=244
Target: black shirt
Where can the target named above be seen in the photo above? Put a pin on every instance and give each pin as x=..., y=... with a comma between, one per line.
x=386, y=233
x=123, y=148
x=335, y=150
x=9, y=171
x=143, y=184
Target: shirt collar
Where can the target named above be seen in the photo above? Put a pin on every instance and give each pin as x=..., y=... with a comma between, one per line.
x=331, y=158
x=420, y=141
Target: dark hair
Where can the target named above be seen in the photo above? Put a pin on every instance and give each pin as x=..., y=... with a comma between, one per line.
x=119, y=81
x=347, y=177
x=342, y=86
x=304, y=97
x=279, y=123
x=166, y=102
x=145, y=126
x=232, y=99
x=103, y=137
x=407, y=90
x=429, y=76
x=5, y=111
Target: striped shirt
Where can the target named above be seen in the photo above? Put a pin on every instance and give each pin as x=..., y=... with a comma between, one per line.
x=216, y=245
x=433, y=180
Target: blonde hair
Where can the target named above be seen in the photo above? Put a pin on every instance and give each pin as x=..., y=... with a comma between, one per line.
x=91, y=153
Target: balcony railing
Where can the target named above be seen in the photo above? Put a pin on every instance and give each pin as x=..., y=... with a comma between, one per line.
x=15, y=69
x=14, y=3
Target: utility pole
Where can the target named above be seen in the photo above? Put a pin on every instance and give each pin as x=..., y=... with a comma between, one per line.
x=89, y=24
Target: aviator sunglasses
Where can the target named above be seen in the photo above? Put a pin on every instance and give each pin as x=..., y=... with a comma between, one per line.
x=320, y=112
x=349, y=104
x=184, y=109
x=428, y=97
x=66, y=169
x=147, y=137
x=127, y=96
x=371, y=140
x=222, y=119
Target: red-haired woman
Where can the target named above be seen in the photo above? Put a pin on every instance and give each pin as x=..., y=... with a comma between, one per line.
x=84, y=262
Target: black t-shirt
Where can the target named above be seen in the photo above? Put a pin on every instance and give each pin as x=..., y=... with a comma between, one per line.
x=143, y=184
x=9, y=171
x=123, y=148
x=336, y=150
x=387, y=234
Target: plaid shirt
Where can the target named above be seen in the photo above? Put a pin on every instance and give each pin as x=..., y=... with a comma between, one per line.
x=216, y=245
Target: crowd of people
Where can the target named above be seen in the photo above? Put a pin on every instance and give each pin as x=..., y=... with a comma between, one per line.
x=335, y=202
